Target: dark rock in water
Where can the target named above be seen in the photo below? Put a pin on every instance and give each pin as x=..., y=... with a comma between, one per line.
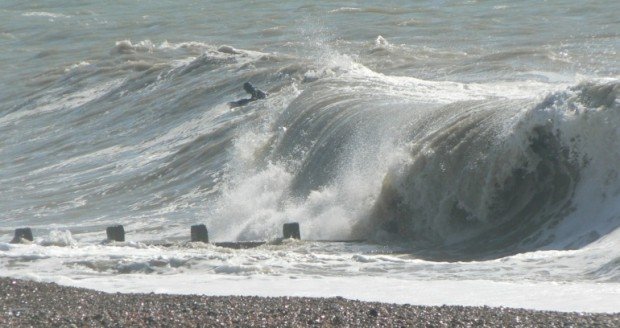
x=21, y=234
x=200, y=233
x=116, y=233
x=240, y=244
x=291, y=230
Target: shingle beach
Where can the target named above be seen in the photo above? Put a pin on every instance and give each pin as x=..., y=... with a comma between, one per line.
x=33, y=304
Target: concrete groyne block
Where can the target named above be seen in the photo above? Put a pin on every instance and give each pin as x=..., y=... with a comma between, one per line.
x=199, y=232
x=115, y=233
x=240, y=244
x=22, y=234
x=291, y=230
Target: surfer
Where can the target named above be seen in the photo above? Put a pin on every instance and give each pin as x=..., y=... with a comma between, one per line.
x=254, y=92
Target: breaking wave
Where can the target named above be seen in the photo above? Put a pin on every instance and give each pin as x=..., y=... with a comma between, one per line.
x=144, y=137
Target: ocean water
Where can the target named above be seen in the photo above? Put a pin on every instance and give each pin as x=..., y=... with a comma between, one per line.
x=472, y=145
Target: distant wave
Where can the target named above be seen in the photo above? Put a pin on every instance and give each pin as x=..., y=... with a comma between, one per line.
x=387, y=11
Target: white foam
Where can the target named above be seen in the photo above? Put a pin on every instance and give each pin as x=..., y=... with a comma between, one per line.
x=544, y=280
x=59, y=238
x=569, y=297
x=44, y=14
x=330, y=64
x=380, y=41
x=77, y=66
x=127, y=46
x=346, y=10
x=252, y=205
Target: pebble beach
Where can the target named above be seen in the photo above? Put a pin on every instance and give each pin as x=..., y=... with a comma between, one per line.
x=34, y=304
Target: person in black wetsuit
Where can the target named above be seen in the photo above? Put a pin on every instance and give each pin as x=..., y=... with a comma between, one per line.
x=255, y=93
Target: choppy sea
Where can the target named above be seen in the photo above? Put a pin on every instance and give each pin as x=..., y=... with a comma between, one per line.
x=468, y=150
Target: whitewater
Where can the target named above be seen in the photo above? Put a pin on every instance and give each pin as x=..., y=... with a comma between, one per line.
x=467, y=150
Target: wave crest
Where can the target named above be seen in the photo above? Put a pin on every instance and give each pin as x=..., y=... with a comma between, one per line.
x=484, y=184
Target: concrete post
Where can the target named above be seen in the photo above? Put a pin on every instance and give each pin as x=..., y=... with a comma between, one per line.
x=115, y=233
x=22, y=233
x=200, y=233
x=291, y=230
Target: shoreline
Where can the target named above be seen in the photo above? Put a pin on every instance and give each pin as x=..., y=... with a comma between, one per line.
x=26, y=303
